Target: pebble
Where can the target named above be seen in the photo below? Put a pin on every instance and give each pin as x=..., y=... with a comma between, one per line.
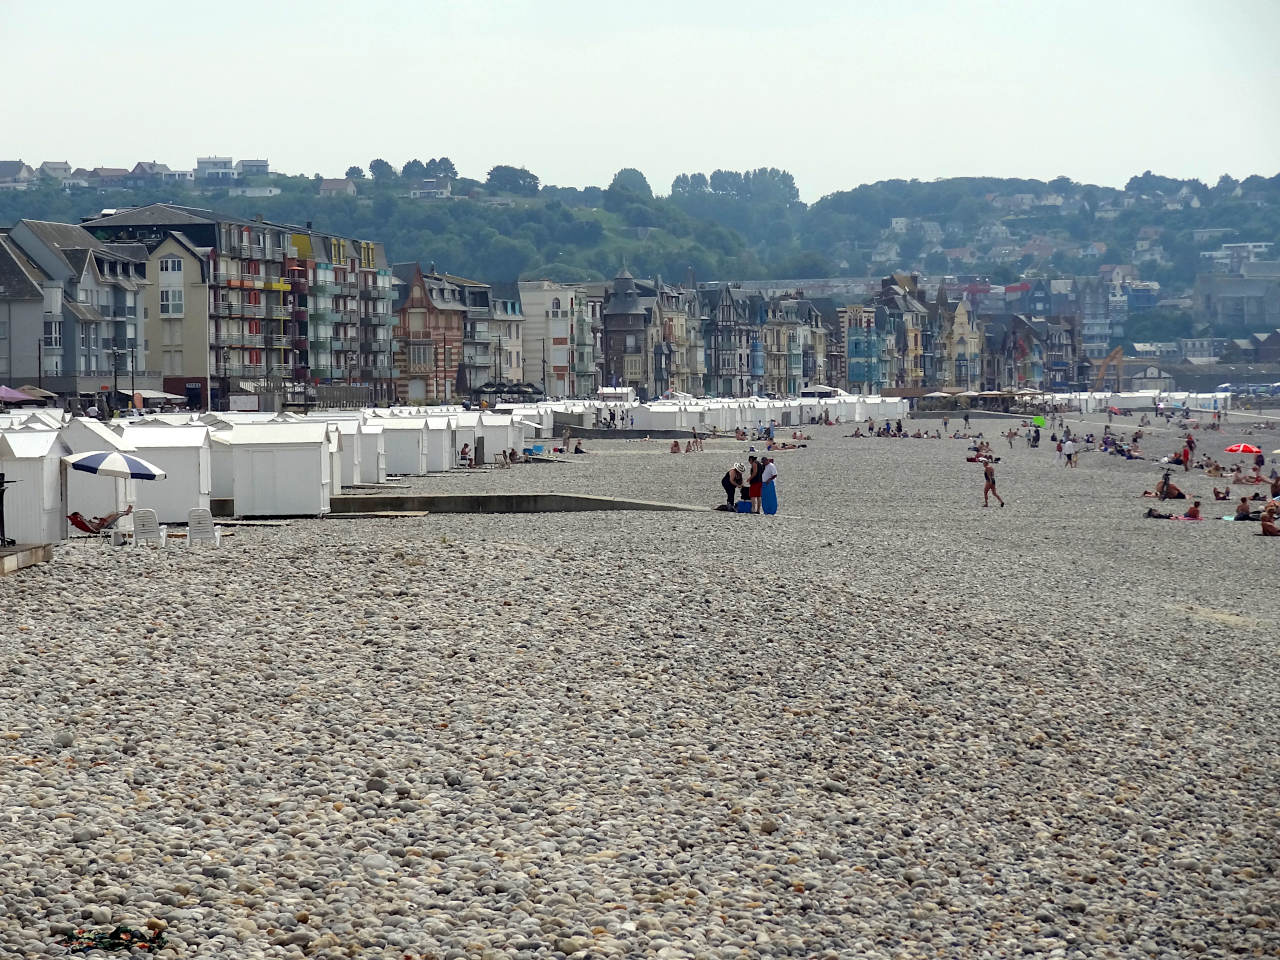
x=878, y=724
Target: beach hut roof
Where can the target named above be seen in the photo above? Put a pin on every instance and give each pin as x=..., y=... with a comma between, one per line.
x=279, y=434
x=168, y=436
x=29, y=444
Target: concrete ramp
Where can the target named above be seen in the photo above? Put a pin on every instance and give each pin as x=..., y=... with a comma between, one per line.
x=494, y=503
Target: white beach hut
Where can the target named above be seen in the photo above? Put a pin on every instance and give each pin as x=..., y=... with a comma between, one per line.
x=372, y=458
x=405, y=444
x=279, y=469
x=186, y=456
x=33, y=505
x=441, y=444
x=90, y=494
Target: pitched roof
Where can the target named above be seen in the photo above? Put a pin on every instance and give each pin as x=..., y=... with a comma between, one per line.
x=10, y=169
x=154, y=214
x=19, y=277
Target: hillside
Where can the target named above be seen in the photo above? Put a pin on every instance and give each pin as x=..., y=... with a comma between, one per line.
x=752, y=225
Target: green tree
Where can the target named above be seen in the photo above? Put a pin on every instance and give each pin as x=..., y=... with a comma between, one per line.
x=381, y=171
x=414, y=170
x=633, y=182
x=936, y=263
x=354, y=173
x=517, y=180
x=446, y=169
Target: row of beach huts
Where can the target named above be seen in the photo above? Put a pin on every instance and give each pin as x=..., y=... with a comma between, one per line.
x=273, y=465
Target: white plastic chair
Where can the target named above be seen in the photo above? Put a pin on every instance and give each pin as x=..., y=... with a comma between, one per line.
x=147, y=528
x=200, y=527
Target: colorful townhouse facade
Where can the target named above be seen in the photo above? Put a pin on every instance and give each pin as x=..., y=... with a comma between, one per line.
x=286, y=310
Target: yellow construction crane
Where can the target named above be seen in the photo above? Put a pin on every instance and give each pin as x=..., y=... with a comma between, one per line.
x=1112, y=357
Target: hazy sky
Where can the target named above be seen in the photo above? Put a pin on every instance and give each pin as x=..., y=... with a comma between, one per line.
x=839, y=93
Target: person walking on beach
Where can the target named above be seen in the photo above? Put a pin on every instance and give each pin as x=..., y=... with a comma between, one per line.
x=1069, y=452
x=966, y=420
x=989, y=483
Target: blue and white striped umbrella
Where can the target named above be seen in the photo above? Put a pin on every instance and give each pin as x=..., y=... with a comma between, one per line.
x=112, y=463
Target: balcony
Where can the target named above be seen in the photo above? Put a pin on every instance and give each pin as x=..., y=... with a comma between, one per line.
x=252, y=310
x=326, y=316
x=370, y=293
x=299, y=284
x=280, y=343
x=479, y=313
x=250, y=339
x=255, y=250
x=278, y=284
x=276, y=254
x=279, y=313
x=348, y=289
x=244, y=370
x=324, y=286
x=299, y=343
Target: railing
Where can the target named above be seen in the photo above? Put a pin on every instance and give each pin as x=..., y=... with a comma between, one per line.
x=348, y=289
x=244, y=369
x=252, y=309
x=478, y=313
x=349, y=316
x=324, y=286
x=255, y=251
x=369, y=293
x=250, y=339
x=299, y=284
x=300, y=343
x=283, y=343
x=278, y=313
x=275, y=253
x=221, y=277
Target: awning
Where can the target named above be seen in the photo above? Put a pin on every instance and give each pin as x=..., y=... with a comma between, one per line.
x=156, y=395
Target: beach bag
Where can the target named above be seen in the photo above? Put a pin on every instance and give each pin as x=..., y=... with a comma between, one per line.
x=744, y=506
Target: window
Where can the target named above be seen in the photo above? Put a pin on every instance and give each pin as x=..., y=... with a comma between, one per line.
x=53, y=333
x=171, y=302
x=170, y=265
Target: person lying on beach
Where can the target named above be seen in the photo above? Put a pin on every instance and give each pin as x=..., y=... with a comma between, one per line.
x=1223, y=494
x=675, y=446
x=1193, y=513
x=97, y=524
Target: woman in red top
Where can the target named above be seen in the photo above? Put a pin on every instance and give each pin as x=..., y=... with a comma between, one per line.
x=755, y=485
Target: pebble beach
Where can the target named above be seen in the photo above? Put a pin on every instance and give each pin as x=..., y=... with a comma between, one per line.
x=885, y=723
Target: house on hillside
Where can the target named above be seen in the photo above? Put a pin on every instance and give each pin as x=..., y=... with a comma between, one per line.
x=15, y=175
x=344, y=187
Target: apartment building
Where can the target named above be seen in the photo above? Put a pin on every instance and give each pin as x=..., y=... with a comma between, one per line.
x=255, y=307
x=429, y=315
x=563, y=325
x=73, y=312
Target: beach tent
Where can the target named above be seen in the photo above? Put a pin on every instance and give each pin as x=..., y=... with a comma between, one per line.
x=279, y=469
x=33, y=506
x=187, y=458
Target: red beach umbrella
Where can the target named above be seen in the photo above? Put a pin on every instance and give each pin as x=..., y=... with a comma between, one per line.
x=1242, y=448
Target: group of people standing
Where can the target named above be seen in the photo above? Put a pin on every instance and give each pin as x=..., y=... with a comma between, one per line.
x=752, y=483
